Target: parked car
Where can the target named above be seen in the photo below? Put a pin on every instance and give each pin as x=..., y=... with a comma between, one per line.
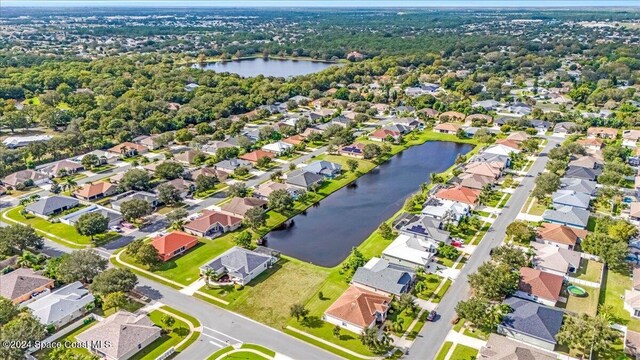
x=455, y=320
x=431, y=316
x=457, y=244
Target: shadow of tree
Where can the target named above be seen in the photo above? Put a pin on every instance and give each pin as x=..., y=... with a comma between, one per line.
x=312, y=322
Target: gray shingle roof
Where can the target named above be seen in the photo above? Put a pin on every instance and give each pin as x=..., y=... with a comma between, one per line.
x=304, y=179
x=567, y=215
x=379, y=274
x=571, y=198
x=426, y=226
x=237, y=261
x=533, y=319
x=51, y=204
x=61, y=303
x=323, y=167
x=579, y=185
x=578, y=172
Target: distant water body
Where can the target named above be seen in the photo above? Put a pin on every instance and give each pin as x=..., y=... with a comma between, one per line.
x=267, y=67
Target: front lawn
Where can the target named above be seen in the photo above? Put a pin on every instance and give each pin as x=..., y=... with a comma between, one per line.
x=462, y=352
x=131, y=306
x=442, y=354
x=443, y=290
x=64, y=231
x=428, y=285
x=533, y=207
x=185, y=268
x=171, y=336
x=407, y=319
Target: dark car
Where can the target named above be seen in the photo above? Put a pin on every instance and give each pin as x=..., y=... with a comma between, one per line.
x=431, y=316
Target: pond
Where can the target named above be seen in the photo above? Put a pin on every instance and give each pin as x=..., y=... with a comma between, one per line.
x=326, y=232
x=267, y=67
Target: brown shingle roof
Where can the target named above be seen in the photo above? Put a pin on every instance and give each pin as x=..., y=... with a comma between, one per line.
x=258, y=154
x=209, y=218
x=21, y=282
x=561, y=234
x=91, y=190
x=460, y=194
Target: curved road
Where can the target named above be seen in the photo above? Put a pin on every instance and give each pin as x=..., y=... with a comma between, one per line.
x=433, y=334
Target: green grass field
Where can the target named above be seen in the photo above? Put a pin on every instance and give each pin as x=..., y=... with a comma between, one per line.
x=61, y=230
x=583, y=304
x=462, y=352
x=590, y=270
x=171, y=337
x=442, y=354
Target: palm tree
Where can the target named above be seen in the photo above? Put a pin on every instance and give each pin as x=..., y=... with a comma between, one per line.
x=398, y=324
x=70, y=184
x=27, y=259
x=208, y=274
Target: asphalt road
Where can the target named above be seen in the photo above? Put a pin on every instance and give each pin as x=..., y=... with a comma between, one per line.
x=433, y=334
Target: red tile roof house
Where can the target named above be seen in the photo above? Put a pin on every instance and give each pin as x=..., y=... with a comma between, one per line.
x=212, y=224
x=128, y=149
x=539, y=286
x=254, y=156
x=384, y=134
x=173, y=244
x=460, y=194
x=358, y=309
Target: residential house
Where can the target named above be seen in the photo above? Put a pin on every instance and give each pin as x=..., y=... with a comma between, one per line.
x=405, y=125
x=303, y=179
x=503, y=348
x=104, y=157
x=459, y=194
x=634, y=212
x=539, y=286
x=24, y=177
x=498, y=161
x=562, y=129
x=447, y=211
x=358, y=309
x=429, y=113
x=570, y=198
x=14, y=142
x=578, y=185
x=483, y=169
x=532, y=323
x=238, y=206
x=23, y=284
x=451, y=116
x=518, y=136
x=632, y=302
x=474, y=181
x=51, y=205
x=114, y=218
x=212, y=224
x=540, y=126
x=187, y=157
x=184, y=187
x=425, y=228
x=61, y=168
x=256, y=155
x=587, y=161
x=128, y=149
x=512, y=144
x=567, y=215
x=231, y=165
x=602, y=132
x=499, y=149
x=410, y=252
x=486, y=104
x=380, y=276
x=630, y=138
x=265, y=189
x=325, y=168
x=238, y=140
x=209, y=172
x=519, y=109
x=213, y=146
x=239, y=265
x=173, y=244
x=150, y=142
x=278, y=148
x=555, y=260
x=60, y=307
x=384, y=135
x=355, y=150
x=559, y=235
x=120, y=336
x=482, y=118
x=584, y=173
x=591, y=143
x=96, y=190
x=447, y=128
x=151, y=198
x=294, y=140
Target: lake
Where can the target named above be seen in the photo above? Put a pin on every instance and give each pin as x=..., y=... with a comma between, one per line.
x=326, y=232
x=267, y=67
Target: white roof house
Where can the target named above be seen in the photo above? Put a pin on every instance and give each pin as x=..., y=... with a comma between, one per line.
x=445, y=210
x=13, y=142
x=499, y=149
x=61, y=306
x=277, y=147
x=409, y=251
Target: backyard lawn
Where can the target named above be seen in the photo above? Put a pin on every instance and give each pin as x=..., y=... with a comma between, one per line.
x=185, y=268
x=583, y=304
x=64, y=231
x=71, y=337
x=590, y=270
x=612, y=294
x=170, y=337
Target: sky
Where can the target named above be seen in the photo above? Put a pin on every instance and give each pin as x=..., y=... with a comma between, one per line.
x=323, y=3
